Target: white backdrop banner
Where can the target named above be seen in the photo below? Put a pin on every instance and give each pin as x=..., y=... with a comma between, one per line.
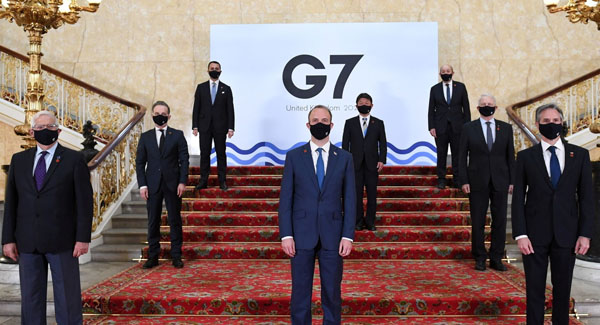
x=277, y=72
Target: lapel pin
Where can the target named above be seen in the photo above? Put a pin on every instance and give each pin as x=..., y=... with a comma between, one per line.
x=304, y=150
x=497, y=128
x=335, y=153
x=58, y=158
x=571, y=154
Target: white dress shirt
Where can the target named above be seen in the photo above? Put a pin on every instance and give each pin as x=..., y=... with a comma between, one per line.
x=362, y=120
x=560, y=154
x=444, y=87
x=484, y=127
x=47, y=158
x=315, y=156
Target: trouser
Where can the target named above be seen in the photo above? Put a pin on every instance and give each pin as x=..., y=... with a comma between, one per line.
x=206, y=140
x=479, y=201
x=441, y=142
x=366, y=178
x=154, y=206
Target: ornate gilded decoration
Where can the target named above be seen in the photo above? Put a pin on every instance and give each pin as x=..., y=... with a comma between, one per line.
x=578, y=11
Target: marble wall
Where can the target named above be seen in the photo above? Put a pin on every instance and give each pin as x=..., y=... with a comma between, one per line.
x=9, y=144
x=145, y=50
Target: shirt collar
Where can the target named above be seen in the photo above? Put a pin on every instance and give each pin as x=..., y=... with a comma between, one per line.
x=313, y=147
x=50, y=150
x=157, y=129
x=493, y=121
x=559, y=145
x=449, y=83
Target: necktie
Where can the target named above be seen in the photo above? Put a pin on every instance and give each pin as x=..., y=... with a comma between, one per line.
x=161, y=144
x=490, y=139
x=554, y=166
x=448, y=93
x=364, y=126
x=320, y=168
x=213, y=92
x=40, y=170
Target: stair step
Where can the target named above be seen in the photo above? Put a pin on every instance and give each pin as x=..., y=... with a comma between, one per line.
x=130, y=220
x=125, y=236
x=116, y=253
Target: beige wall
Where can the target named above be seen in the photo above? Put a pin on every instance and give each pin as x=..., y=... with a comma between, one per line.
x=9, y=144
x=148, y=50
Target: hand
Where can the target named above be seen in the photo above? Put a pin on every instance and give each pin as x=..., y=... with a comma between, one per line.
x=345, y=247
x=525, y=246
x=144, y=193
x=432, y=132
x=466, y=188
x=289, y=247
x=80, y=248
x=510, y=189
x=379, y=166
x=180, y=189
x=230, y=134
x=10, y=250
x=582, y=245
x=195, y=132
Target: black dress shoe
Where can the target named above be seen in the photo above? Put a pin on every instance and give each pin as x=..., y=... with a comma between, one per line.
x=201, y=185
x=359, y=227
x=371, y=228
x=441, y=184
x=150, y=263
x=498, y=266
x=223, y=186
x=177, y=263
x=480, y=265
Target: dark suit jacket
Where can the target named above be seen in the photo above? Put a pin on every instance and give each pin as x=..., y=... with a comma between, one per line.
x=543, y=213
x=52, y=219
x=440, y=113
x=483, y=165
x=220, y=115
x=309, y=214
x=172, y=165
x=372, y=147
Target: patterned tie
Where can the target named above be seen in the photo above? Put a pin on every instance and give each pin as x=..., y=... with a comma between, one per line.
x=448, y=94
x=40, y=170
x=320, y=168
x=554, y=166
x=364, y=126
x=490, y=139
x=213, y=92
x=161, y=144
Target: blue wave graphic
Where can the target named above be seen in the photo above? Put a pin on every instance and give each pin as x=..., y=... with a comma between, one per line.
x=273, y=159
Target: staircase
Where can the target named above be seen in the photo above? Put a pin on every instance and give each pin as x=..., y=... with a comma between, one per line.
x=415, y=269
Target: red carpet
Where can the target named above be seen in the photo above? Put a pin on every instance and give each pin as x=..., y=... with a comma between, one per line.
x=415, y=269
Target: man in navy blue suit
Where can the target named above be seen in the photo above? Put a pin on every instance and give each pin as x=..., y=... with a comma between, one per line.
x=318, y=178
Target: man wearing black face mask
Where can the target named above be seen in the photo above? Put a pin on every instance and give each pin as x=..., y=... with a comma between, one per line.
x=312, y=220
x=161, y=166
x=552, y=214
x=213, y=119
x=48, y=220
x=486, y=170
x=364, y=137
x=448, y=111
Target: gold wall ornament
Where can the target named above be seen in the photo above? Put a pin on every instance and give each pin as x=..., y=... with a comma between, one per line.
x=578, y=11
x=37, y=17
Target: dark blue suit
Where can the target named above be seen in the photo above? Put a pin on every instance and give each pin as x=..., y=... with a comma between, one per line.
x=317, y=219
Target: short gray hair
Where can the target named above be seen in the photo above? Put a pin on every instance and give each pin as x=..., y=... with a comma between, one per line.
x=323, y=107
x=42, y=113
x=554, y=106
x=486, y=95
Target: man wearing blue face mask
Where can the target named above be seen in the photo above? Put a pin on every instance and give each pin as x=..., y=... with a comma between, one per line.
x=486, y=171
x=552, y=214
x=316, y=218
x=161, y=166
x=364, y=137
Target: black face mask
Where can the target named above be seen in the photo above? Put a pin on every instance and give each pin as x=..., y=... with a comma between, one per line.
x=160, y=120
x=364, y=109
x=487, y=110
x=446, y=76
x=45, y=136
x=551, y=130
x=214, y=74
x=320, y=131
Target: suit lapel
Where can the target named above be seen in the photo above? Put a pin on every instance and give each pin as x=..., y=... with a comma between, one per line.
x=308, y=163
x=331, y=164
x=569, y=162
x=31, y=159
x=539, y=161
x=480, y=136
x=53, y=164
x=168, y=141
x=151, y=137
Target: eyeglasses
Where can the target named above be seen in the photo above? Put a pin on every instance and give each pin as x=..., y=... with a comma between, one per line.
x=51, y=127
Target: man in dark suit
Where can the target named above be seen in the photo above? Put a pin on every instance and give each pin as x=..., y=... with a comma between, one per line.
x=486, y=169
x=552, y=214
x=161, y=165
x=364, y=137
x=448, y=110
x=48, y=220
x=213, y=118
x=317, y=178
